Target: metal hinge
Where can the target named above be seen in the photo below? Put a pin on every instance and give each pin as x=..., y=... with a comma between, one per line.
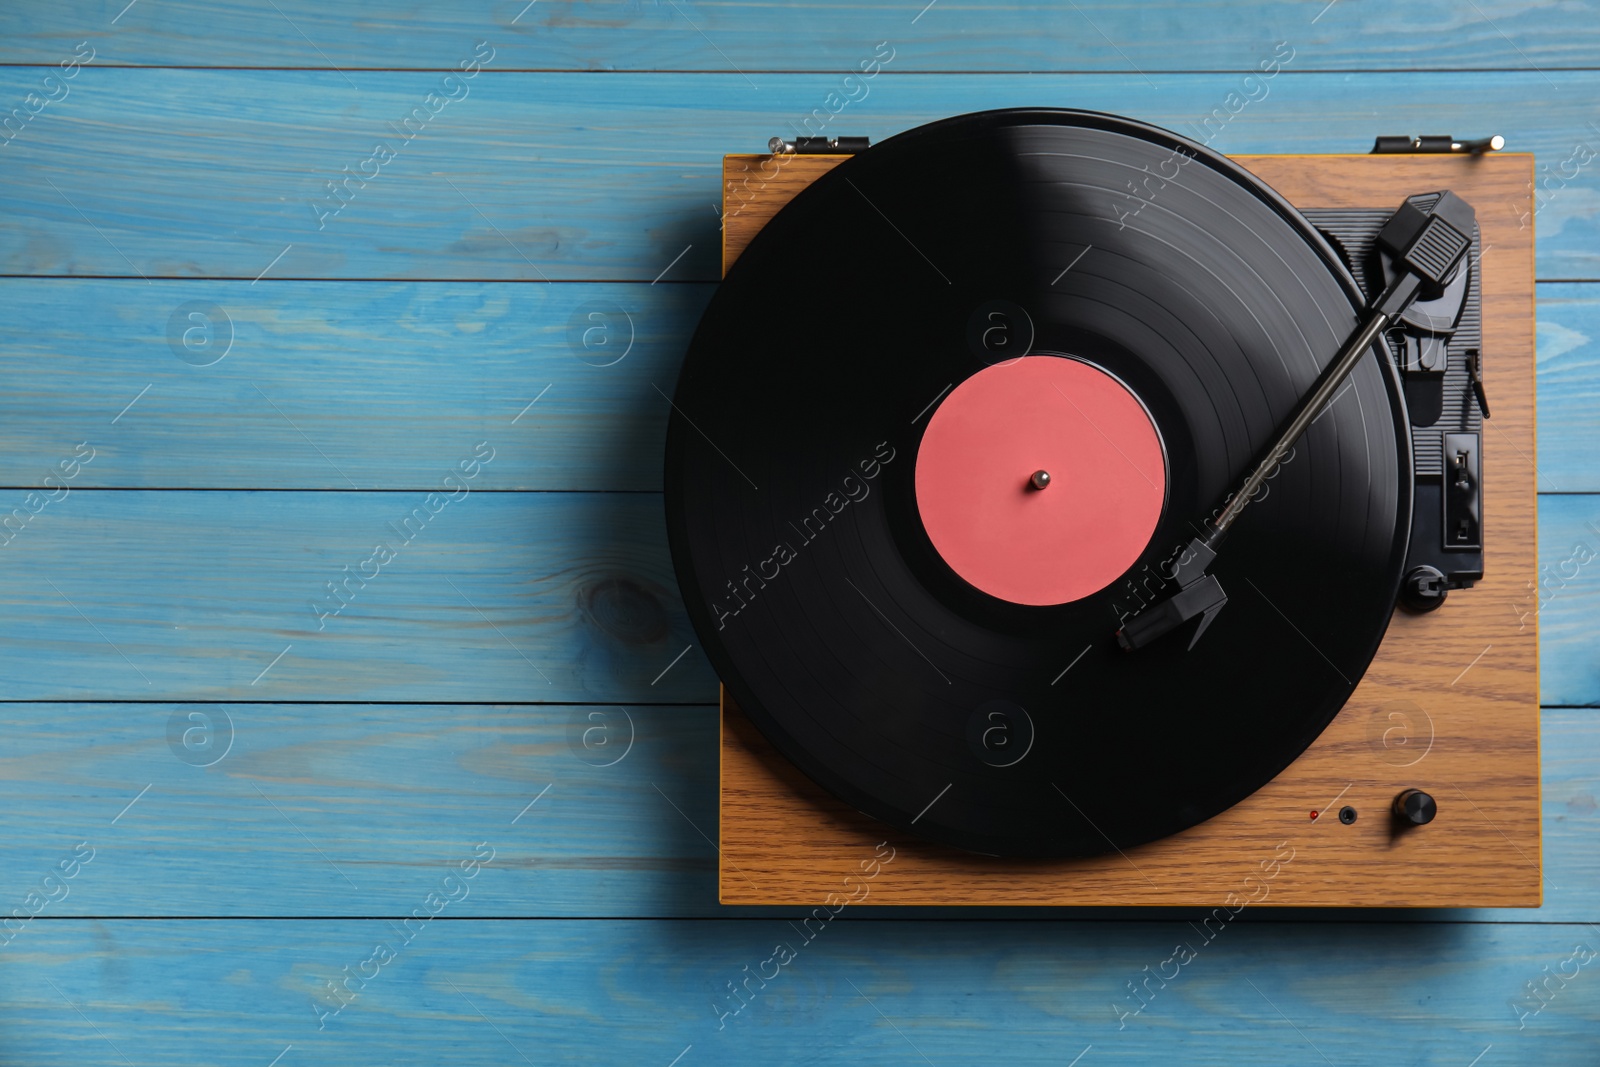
x=819, y=146
x=1385, y=146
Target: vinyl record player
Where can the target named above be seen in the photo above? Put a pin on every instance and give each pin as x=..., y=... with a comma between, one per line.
x=1099, y=520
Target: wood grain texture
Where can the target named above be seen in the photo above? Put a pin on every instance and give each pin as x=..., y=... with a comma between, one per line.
x=197, y=173
x=1566, y=597
x=1569, y=387
x=207, y=587
x=202, y=590
x=315, y=809
x=337, y=385
x=388, y=793
x=1031, y=35
x=415, y=365
x=784, y=840
x=874, y=993
x=550, y=597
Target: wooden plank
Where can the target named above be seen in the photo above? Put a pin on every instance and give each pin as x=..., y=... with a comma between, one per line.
x=389, y=793
x=1028, y=35
x=784, y=839
x=1567, y=599
x=201, y=590
x=224, y=173
x=315, y=809
x=419, y=366
x=330, y=385
x=1569, y=387
x=550, y=597
x=491, y=993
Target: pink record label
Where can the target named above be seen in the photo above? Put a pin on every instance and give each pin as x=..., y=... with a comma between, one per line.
x=1059, y=423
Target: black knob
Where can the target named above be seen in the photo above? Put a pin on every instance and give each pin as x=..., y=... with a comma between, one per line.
x=1413, y=807
x=1424, y=588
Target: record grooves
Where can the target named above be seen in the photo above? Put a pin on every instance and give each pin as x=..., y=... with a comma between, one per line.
x=839, y=338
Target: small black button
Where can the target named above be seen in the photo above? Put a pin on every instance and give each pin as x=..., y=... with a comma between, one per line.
x=1413, y=807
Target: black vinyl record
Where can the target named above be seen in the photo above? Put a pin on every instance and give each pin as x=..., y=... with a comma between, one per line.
x=1014, y=728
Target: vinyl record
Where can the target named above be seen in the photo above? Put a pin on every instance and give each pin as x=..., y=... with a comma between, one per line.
x=863, y=547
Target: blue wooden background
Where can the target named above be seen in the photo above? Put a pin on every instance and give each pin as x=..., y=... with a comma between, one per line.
x=219, y=798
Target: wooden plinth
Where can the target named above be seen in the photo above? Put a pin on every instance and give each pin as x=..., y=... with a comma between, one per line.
x=1450, y=704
